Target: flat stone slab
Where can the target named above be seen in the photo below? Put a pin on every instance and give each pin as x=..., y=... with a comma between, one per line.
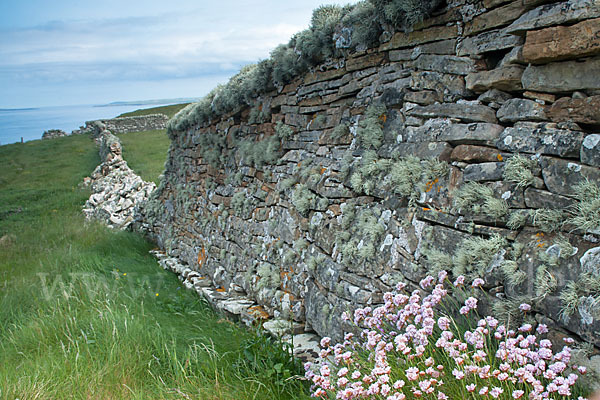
x=560, y=77
x=540, y=138
x=561, y=176
x=465, y=112
x=562, y=42
x=445, y=64
x=559, y=13
x=583, y=111
x=488, y=41
x=506, y=78
x=521, y=110
x=489, y=171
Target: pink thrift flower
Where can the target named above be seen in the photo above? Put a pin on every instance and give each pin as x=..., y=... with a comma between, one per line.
x=517, y=394
x=459, y=281
x=477, y=282
x=471, y=388
x=524, y=307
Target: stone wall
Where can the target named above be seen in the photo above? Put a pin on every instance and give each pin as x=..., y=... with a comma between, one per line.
x=116, y=189
x=127, y=124
x=469, y=144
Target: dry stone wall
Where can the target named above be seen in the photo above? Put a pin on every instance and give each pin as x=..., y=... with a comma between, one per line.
x=127, y=124
x=471, y=144
x=116, y=189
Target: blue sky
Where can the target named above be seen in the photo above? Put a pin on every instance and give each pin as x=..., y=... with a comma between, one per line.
x=65, y=52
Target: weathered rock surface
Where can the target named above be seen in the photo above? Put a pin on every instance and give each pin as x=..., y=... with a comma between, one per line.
x=566, y=76
x=558, y=13
x=540, y=138
x=563, y=42
x=465, y=112
x=590, y=150
x=507, y=79
x=488, y=41
x=561, y=176
x=515, y=110
x=583, y=111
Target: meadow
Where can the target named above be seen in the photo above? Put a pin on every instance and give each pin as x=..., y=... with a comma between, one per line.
x=87, y=313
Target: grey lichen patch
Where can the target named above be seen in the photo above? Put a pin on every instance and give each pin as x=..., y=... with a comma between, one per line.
x=242, y=204
x=582, y=295
x=586, y=213
x=548, y=220
x=303, y=199
x=370, y=128
x=367, y=172
x=362, y=233
x=476, y=198
x=520, y=170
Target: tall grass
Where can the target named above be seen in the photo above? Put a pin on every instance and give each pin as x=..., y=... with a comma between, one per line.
x=169, y=111
x=146, y=152
x=85, y=312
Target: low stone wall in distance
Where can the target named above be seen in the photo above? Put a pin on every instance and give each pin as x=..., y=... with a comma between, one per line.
x=128, y=124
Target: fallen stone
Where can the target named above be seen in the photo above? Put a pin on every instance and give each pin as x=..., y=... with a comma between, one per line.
x=489, y=171
x=507, y=79
x=540, y=138
x=475, y=154
x=465, y=112
x=488, y=41
x=561, y=176
x=445, y=64
x=560, y=77
x=53, y=134
x=583, y=111
x=590, y=150
x=562, y=42
x=521, y=110
x=560, y=13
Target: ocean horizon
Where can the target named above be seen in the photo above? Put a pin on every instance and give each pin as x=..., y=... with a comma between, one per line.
x=30, y=123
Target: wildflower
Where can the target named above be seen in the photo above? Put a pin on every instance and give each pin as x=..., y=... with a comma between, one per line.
x=471, y=388
x=524, y=307
x=496, y=392
x=426, y=282
x=517, y=394
x=459, y=281
x=477, y=282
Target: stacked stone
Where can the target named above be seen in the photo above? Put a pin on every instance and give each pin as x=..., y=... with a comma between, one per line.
x=472, y=87
x=116, y=189
x=127, y=124
x=53, y=133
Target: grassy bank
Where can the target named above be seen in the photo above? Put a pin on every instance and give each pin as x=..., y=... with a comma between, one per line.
x=169, y=111
x=86, y=313
x=146, y=152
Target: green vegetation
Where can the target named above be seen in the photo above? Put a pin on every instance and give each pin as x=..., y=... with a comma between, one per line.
x=476, y=198
x=362, y=22
x=87, y=313
x=169, y=111
x=586, y=214
x=146, y=152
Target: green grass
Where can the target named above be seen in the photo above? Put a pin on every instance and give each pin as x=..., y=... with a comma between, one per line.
x=79, y=310
x=169, y=111
x=146, y=152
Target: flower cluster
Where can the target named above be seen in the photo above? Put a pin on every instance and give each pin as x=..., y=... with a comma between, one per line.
x=409, y=348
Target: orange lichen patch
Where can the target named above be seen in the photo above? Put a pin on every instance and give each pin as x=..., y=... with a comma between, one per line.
x=323, y=170
x=201, y=257
x=258, y=312
x=220, y=289
x=383, y=118
x=540, y=243
x=499, y=157
x=429, y=185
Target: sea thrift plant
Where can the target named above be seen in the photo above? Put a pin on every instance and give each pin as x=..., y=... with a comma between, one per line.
x=410, y=348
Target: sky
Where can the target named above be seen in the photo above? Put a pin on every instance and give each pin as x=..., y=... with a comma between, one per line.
x=69, y=52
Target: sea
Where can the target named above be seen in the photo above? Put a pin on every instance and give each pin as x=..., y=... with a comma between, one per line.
x=30, y=123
